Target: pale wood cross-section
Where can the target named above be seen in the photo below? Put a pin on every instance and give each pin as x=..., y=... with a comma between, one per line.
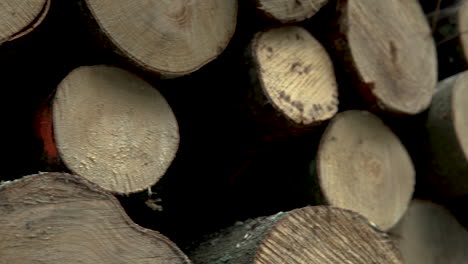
x=429, y=234
x=363, y=166
x=60, y=218
x=286, y=11
x=447, y=127
x=294, y=74
x=170, y=37
x=19, y=17
x=113, y=128
x=388, y=48
x=309, y=235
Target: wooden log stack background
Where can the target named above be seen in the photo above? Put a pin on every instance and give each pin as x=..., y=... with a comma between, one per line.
x=234, y=131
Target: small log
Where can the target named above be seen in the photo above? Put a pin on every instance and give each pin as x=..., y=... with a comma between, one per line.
x=168, y=38
x=389, y=53
x=451, y=35
x=61, y=218
x=318, y=234
x=447, y=143
x=294, y=85
x=287, y=11
x=18, y=18
x=110, y=127
x=429, y=234
x=361, y=165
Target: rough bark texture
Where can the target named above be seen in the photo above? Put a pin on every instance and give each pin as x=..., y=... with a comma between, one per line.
x=389, y=53
x=308, y=235
x=293, y=81
x=429, y=234
x=286, y=11
x=447, y=142
x=61, y=218
x=169, y=39
x=363, y=166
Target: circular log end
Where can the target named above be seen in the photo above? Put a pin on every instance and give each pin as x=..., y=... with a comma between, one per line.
x=429, y=234
x=62, y=218
x=323, y=235
x=286, y=11
x=296, y=74
x=362, y=166
x=113, y=128
x=393, y=53
x=168, y=37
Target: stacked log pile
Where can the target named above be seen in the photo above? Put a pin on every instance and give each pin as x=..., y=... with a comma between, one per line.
x=225, y=131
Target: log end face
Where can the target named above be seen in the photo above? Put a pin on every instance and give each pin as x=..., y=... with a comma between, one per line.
x=60, y=218
x=20, y=18
x=287, y=11
x=362, y=166
x=170, y=38
x=114, y=129
x=324, y=234
x=296, y=74
x=429, y=234
x=392, y=49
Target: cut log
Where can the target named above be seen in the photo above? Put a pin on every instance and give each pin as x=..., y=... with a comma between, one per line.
x=20, y=17
x=447, y=126
x=61, y=218
x=362, y=166
x=286, y=11
x=451, y=35
x=318, y=234
x=170, y=38
x=388, y=50
x=110, y=127
x=294, y=85
x=429, y=234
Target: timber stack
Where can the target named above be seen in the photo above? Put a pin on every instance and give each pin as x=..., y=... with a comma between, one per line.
x=227, y=131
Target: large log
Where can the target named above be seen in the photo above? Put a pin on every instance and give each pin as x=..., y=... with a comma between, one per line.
x=292, y=77
x=308, y=235
x=110, y=127
x=20, y=17
x=389, y=53
x=60, y=218
x=447, y=142
x=429, y=234
x=168, y=38
x=287, y=11
x=361, y=165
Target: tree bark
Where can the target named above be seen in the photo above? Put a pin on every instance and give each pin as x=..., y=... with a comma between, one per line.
x=389, y=53
x=361, y=165
x=288, y=11
x=18, y=18
x=450, y=27
x=447, y=143
x=429, y=234
x=110, y=127
x=166, y=38
x=62, y=218
x=307, y=235
x=293, y=85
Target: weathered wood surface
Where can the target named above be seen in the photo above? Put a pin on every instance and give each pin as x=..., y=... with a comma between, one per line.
x=62, y=218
